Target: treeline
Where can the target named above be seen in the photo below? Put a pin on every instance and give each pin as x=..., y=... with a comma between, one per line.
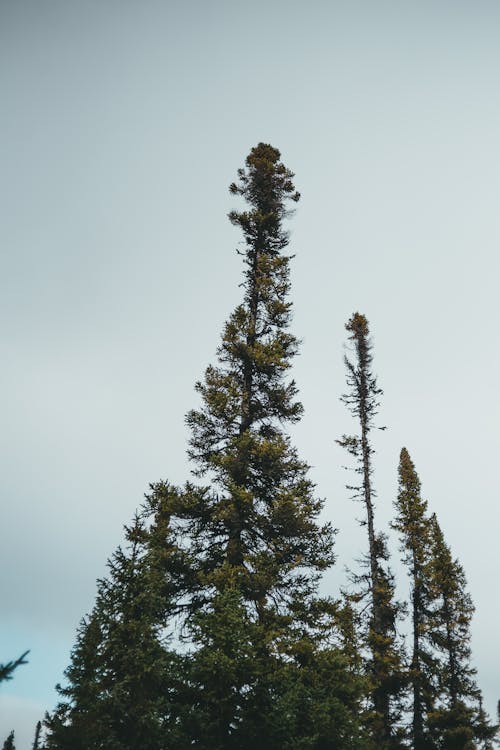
x=209, y=630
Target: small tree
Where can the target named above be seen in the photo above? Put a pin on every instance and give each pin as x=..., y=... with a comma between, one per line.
x=9, y=742
x=458, y=722
x=117, y=696
x=385, y=656
x=414, y=527
x=36, y=740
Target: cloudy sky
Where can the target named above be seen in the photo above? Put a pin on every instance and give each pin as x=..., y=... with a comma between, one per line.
x=122, y=124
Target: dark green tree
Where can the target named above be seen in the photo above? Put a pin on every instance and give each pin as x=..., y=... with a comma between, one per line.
x=9, y=742
x=259, y=628
x=116, y=695
x=385, y=659
x=36, y=740
x=414, y=527
x=458, y=722
x=447, y=704
x=231, y=567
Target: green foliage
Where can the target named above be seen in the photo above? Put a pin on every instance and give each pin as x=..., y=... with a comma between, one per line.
x=257, y=624
x=117, y=696
x=7, y=670
x=458, y=722
x=36, y=740
x=229, y=570
x=414, y=528
x=447, y=706
x=384, y=658
x=209, y=631
x=9, y=742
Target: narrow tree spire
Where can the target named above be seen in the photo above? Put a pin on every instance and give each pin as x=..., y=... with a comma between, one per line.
x=36, y=741
x=413, y=525
x=458, y=721
x=384, y=668
x=363, y=401
x=264, y=515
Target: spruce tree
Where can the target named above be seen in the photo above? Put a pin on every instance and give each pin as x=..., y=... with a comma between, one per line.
x=384, y=664
x=116, y=695
x=413, y=524
x=9, y=742
x=36, y=740
x=265, y=660
x=458, y=722
x=447, y=705
x=228, y=569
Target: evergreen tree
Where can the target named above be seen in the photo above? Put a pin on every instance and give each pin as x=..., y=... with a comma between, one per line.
x=447, y=704
x=254, y=529
x=384, y=665
x=36, y=741
x=116, y=697
x=413, y=525
x=261, y=635
x=9, y=742
x=232, y=567
x=459, y=721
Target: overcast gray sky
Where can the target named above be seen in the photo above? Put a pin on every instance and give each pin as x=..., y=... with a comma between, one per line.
x=122, y=124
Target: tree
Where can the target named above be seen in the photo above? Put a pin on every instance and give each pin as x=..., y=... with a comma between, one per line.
x=385, y=656
x=413, y=524
x=231, y=567
x=116, y=696
x=9, y=742
x=254, y=530
x=36, y=741
x=459, y=721
x=7, y=670
x=447, y=705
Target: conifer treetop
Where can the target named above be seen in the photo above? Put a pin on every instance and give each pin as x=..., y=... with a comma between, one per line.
x=266, y=182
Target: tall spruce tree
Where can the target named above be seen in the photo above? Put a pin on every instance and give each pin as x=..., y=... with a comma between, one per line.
x=265, y=661
x=232, y=567
x=458, y=722
x=414, y=526
x=384, y=665
x=447, y=704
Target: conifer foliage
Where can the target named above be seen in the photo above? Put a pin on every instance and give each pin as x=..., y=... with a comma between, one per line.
x=447, y=707
x=384, y=664
x=414, y=527
x=116, y=696
x=9, y=743
x=458, y=721
x=209, y=631
x=254, y=529
x=7, y=670
x=228, y=569
x=36, y=740
x=260, y=513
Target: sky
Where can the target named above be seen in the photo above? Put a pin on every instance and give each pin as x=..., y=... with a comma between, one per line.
x=122, y=124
